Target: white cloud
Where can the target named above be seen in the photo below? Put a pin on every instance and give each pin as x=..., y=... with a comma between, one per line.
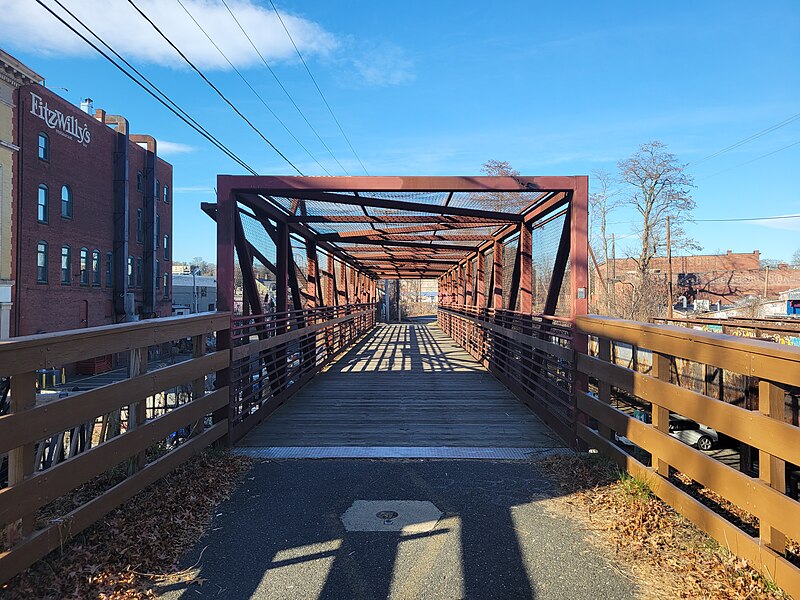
x=790, y=222
x=383, y=64
x=166, y=148
x=126, y=31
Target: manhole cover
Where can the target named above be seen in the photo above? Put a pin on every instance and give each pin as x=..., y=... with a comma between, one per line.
x=408, y=516
x=386, y=514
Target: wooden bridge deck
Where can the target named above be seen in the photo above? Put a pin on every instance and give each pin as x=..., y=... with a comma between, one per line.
x=404, y=386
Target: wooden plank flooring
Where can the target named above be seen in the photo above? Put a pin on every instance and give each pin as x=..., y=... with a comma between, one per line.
x=404, y=385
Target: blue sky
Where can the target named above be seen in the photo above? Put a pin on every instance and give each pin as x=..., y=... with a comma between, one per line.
x=435, y=88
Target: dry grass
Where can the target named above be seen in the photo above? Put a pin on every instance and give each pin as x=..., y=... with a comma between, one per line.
x=138, y=545
x=666, y=553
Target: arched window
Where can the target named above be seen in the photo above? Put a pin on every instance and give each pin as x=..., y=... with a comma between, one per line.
x=66, y=202
x=84, y=266
x=166, y=247
x=96, y=268
x=41, y=262
x=66, y=265
x=166, y=194
x=131, y=280
x=139, y=181
x=44, y=147
x=42, y=202
x=166, y=286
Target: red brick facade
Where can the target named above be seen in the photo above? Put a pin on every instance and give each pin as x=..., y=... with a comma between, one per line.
x=728, y=277
x=80, y=156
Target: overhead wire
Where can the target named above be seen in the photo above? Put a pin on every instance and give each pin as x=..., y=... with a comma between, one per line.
x=155, y=92
x=252, y=89
x=747, y=162
x=316, y=85
x=280, y=83
x=212, y=86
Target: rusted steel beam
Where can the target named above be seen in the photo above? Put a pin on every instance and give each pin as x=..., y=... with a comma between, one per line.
x=559, y=266
x=274, y=184
x=423, y=245
x=369, y=201
x=378, y=236
x=497, y=276
x=579, y=248
x=479, y=298
x=457, y=222
x=525, y=268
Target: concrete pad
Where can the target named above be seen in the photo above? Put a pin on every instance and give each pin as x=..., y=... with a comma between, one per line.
x=405, y=516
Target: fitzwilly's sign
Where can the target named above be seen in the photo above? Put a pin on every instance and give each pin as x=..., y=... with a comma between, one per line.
x=66, y=125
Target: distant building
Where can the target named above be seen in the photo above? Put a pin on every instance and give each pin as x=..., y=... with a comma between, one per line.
x=181, y=270
x=91, y=216
x=728, y=277
x=13, y=74
x=184, y=290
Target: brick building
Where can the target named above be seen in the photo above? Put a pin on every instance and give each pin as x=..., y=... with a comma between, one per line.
x=92, y=218
x=727, y=277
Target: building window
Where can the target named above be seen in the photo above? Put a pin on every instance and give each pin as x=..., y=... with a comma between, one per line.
x=138, y=271
x=166, y=194
x=96, y=268
x=139, y=225
x=41, y=207
x=84, y=266
x=166, y=247
x=166, y=286
x=44, y=146
x=109, y=269
x=66, y=202
x=41, y=262
x=139, y=181
x=131, y=280
x=66, y=265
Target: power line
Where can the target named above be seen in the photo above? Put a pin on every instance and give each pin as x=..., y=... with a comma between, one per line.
x=747, y=162
x=166, y=101
x=285, y=91
x=252, y=89
x=749, y=139
x=773, y=218
x=213, y=87
x=330, y=110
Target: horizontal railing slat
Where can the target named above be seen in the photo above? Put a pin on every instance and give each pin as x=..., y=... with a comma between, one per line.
x=760, y=431
x=59, y=415
x=47, y=350
x=45, y=486
x=28, y=551
x=745, y=492
x=747, y=356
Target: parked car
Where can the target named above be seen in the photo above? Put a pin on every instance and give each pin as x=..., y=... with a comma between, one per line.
x=692, y=433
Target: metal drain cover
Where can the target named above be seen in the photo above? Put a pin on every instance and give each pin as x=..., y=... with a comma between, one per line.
x=407, y=516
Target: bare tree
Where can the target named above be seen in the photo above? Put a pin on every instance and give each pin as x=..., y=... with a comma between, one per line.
x=603, y=199
x=499, y=201
x=657, y=187
x=796, y=258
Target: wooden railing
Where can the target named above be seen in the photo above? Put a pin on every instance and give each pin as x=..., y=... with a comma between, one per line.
x=131, y=432
x=532, y=355
x=274, y=355
x=774, y=368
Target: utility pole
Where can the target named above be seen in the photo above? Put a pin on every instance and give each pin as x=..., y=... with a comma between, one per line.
x=613, y=280
x=766, y=282
x=669, y=270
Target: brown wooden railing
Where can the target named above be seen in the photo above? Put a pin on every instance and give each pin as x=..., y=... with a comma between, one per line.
x=131, y=432
x=532, y=355
x=274, y=355
x=776, y=371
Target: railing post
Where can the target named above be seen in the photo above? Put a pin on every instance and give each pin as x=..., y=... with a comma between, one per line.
x=21, y=460
x=659, y=414
x=198, y=385
x=603, y=387
x=771, y=470
x=137, y=412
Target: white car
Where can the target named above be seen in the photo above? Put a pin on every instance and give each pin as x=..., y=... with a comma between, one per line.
x=692, y=433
